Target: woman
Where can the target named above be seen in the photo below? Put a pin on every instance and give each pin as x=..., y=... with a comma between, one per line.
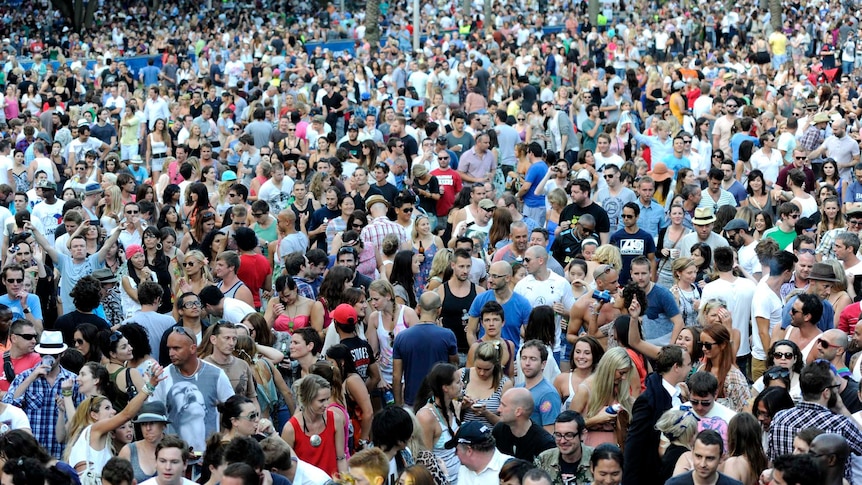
x=719, y=359
x=762, y=223
x=339, y=224
x=839, y=298
x=784, y=354
x=557, y=201
x=239, y=418
x=540, y=326
x=438, y=415
x=685, y=291
x=262, y=173
x=416, y=475
x=832, y=176
x=130, y=130
x=86, y=342
x=159, y=147
x=291, y=311
x=759, y=195
x=830, y=216
x=195, y=274
x=292, y=147
x=425, y=244
x=208, y=178
x=610, y=384
x=606, y=465
x=484, y=384
x=18, y=172
x=403, y=276
x=668, y=238
x=18, y=444
x=715, y=311
x=94, y=420
x=137, y=272
x=441, y=269
x=701, y=255
x=585, y=357
x=271, y=389
x=159, y=265
x=115, y=346
x=679, y=427
x=198, y=204
x=202, y=226
x=335, y=283
x=153, y=420
x=766, y=405
x=685, y=176
x=385, y=323
x=92, y=380
x=356, y=396
x=316, y=433
x=701, y=142
x=746, y=457
x=368, y=154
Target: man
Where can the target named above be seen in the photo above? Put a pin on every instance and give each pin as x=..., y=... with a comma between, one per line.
x=741, y=237
x=799, y=282
x=478, y=227
x=118, y=471
x=86, y=295
x=846, y=248
x=706, y=457
x=515, y=306
x=515, y=250
x=729, y=182
x=36, y=390
x=534, y=204
x=450, y=184
x=714, y=196
x=766, y=309
x=662, y=320
x=295, y=265
x=516, y=433
x=226, y=267
x=507, y=137
x=23, y=304
x=581, y=204
x=703, y=390
x=606, y=278
x=78, y=264
x=478, y=165
x=392, y=427
x=605, y=157
x=801, y=469
x=832, y=346
x=540, y=237
x=458, y=140
x=277, y=190
x=189, y=309
x=805, y=312
x=832, y=452
x=347, y=256
x=150, y=296
x=191, y=389
x=652, y=214
x=703, y=222
x=784, y=232
x=456, y=296
x=103, y=131
x=737, y=293
x=800, y=157
x=821, y=277
x=633, y=241
x=641, y=451
x=281, y=459
x=723, y=126
x=50, y=210
x=157, y=108
x=820, y=408
x=567, y=245
x=369, y=467
x=216, y=304
x=404, y=206
x=614, y=196
x=223, y=342
x=534, y=357
x=19, y=355
x=839, y=147
x=419, y=347
x=380, y=225
x=480, y=460
x=569, y=462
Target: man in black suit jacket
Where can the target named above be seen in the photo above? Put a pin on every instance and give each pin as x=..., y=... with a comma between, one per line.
x=642, y=440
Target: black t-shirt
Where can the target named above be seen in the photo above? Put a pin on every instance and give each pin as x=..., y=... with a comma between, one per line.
x=362, y=354
x=411, y=148
x=527, y=447
x=359, y=200
x=850, y=396
x=353, y=150
x=573, y=212
x=68, y=322
x=569, y=472
x=529, y=94
x=333, y=103
x=317, y=218
x=388, y=191
x=428, y=204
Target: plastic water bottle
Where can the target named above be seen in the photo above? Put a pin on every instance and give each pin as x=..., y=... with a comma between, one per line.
x=389, y=397
x=613, y=409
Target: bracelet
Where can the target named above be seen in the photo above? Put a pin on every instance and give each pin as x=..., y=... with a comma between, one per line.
x=149, y=389
x=66, y=392
x=339, y=458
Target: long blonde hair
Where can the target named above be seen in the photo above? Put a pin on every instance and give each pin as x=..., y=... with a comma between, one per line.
x=602, y=392
x=81, y=419
x=197, y=254
x=115, y=207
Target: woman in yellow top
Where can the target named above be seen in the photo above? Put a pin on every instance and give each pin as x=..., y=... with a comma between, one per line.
x=677, y=100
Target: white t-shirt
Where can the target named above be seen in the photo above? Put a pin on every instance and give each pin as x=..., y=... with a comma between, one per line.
x=185, y=481
x=5, y=166
x=738, y=296
x=235, y=310
x=765, y=304
x=552, y=290
x=274, y=196
x=308, y=474
x=50, y=216
x=13, y=418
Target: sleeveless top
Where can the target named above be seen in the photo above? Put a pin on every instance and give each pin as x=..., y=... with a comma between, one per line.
x=454, y=314
x=230, y=292
x=420, y=280
x=492, y=403
x=83, y=452
x=571, y=397
x=809, y=206
x=284, y=323
x=448, y=457
x=323, y=456
x=140, y=474
x=309, y=208
x=343, y=411
x=267, y=393
x=384, y=362
x=157, y=147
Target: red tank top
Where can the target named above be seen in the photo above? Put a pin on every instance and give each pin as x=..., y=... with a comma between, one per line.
x=323, y=456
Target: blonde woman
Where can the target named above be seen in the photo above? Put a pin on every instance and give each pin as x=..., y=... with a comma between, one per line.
x=604, y=254
x=158, y=148
x=610, y=384
x=384, y=324
x=678, y=428
x=557, y=201
x=112, y=208
x=426, y=244
x=441, y=262
x=839, y=298
x=715, y=311
x=685, y=290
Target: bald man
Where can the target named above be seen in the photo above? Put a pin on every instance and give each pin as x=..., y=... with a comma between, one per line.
x=516, y=433
x=516, y=308
x=591, y=313
x=832, y=346
x=293, y=240
x=544, y=287
x=831, y=451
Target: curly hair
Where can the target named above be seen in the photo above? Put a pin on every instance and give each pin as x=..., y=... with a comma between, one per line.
x=85, y=294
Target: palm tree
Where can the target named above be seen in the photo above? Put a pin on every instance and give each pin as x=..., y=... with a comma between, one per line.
x=775, y=14
x=372, y=25
x=79, y=13
x=594, y=11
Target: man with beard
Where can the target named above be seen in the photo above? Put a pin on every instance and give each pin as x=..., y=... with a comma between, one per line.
x=820, y=408
x=821, y=277
x=457, y=295
x=516, y=308
x=348, y=257
x=515, y=250
x=832, y=346
x=321, y=217
x=741, y=238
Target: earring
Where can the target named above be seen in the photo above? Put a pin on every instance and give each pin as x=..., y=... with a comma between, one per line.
x=159, y=247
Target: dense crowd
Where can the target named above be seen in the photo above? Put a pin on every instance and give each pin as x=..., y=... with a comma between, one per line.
x=538, y=250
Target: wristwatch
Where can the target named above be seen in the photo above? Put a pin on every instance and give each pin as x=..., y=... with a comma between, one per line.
x=26, y=311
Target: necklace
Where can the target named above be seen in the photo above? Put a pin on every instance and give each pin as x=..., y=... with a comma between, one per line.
x=314, y=439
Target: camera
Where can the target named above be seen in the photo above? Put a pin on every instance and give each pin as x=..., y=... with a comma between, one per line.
x=602, y=296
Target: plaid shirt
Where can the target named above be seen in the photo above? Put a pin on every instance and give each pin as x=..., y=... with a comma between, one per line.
x=826, y=240
x=373, y=234
x=787, y=423
x=39, y=403
x=811, y=139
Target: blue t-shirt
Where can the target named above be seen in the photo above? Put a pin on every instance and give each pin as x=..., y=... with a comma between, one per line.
x=419, y=348
x=18, y=312
x=631, y=246
x=661, y=307
x=535, y=174
x=517, y=311
x=546, y=403
x=854, y=192
x=676, y=164
x=827, y=320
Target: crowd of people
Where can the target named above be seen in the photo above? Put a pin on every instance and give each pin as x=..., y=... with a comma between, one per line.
x=539, y=250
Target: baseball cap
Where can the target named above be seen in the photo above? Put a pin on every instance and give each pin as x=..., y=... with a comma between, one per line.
x=470, y=433
x=345, y=314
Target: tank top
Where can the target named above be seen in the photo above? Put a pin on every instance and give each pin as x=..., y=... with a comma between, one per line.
x=83, y=452
x=323, y=456
x=309, y=207
x=140, y=474
x=157, y=147
x=448, y=457
x=571, y=397
x=809, y=206
x=385, y=360
x=454, y=313
x=231, y=292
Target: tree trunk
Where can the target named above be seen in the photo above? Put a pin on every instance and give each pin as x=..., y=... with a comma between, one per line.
x=594, y=7
x=487, y=14
x=775, y=14
x=372, y=25
x=77, y=12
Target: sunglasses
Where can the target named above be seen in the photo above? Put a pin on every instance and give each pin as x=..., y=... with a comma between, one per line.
x=778, y=374
x=132, y=212
x=407, y=210
x=116, y=337
x=258, y=214
x=704, y=403
x=188, y=264
x=628, y=216
x=708, y=345
x=14, y=280
x=253, y=416
x=825, y=344
x=28, y=336
x=783, y=355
